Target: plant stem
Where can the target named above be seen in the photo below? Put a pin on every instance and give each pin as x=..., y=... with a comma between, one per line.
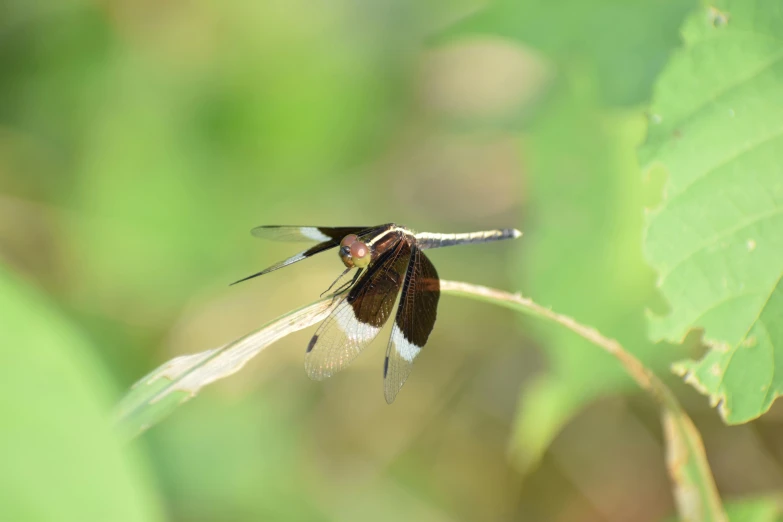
x=695, y=491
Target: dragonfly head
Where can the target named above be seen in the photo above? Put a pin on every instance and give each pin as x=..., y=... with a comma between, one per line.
x=354, y=253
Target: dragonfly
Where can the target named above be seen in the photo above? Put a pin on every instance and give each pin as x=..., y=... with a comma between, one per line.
x=389, y=261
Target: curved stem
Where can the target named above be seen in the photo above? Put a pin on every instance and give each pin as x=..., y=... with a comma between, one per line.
x=695, y=490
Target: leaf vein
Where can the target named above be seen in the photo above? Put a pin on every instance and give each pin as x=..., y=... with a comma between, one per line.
x=724, y=162
x=745, y=336
x=771, y=356
x=723, y=301
x=724, y=233
x=740, y=82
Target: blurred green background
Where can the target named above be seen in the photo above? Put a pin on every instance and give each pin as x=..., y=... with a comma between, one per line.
x=139, y=143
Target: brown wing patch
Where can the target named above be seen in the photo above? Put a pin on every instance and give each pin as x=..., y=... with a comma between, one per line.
x=414, y=322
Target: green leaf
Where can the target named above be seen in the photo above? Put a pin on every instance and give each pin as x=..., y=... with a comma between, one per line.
x=60, y=458
x=624, y=43
x=716, y=128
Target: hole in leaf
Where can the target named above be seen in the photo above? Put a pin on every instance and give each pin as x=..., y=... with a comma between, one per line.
x=694, y=343
x=717, y=18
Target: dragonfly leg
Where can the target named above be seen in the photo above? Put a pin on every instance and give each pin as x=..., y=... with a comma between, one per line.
x=335, y=281
x=345, y=285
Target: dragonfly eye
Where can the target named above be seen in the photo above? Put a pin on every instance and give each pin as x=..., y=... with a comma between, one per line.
x=345, y=256
x=360, y=254
x=349, y=240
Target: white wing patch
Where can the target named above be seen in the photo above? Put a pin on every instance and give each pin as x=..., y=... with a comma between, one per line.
x=314, y=234
x=337, y=342
x=404, y=347
x=354, y=329
x=294, y=259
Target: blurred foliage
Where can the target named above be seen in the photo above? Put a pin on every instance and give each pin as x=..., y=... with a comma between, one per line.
x=756, y=510
x=622, y=45
x=584, y=260
x=61, y=460
x=583, y=254
x=715, y=239
x=765, y=509
x=139, y=141
x=251, y=442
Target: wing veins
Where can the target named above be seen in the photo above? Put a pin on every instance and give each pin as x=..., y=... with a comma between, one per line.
x=352, y=326
x=413, y=323
x=316, y=249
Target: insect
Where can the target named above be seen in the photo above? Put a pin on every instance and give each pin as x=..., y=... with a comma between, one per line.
x=389, y=260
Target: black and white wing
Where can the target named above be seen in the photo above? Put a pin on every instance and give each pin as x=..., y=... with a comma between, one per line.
x=296, y=233
x=327, y=237
x=361, y=314
x=413, y=324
